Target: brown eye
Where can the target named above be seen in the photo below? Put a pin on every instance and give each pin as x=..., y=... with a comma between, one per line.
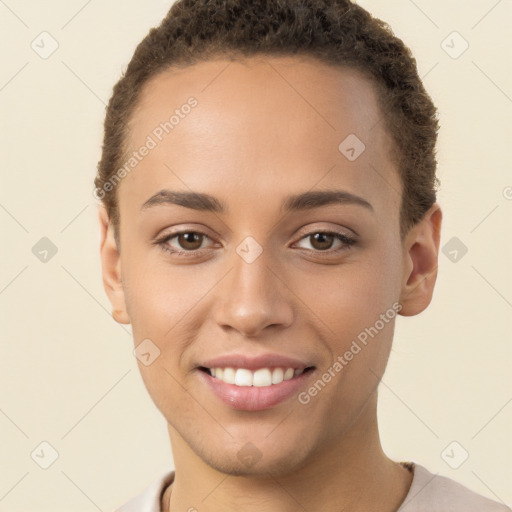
x=322, y=241
x=183, y=243
x=190, y=240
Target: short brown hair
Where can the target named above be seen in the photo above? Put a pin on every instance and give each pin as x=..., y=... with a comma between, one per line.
x=336, y=32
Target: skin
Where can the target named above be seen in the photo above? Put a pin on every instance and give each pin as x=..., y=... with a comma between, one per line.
x=265, y=128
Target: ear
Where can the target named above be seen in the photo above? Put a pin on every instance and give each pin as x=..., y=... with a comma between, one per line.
x=421, y=249
x=111, y=268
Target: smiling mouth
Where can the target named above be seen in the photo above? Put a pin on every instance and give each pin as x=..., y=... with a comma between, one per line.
x=263, y=377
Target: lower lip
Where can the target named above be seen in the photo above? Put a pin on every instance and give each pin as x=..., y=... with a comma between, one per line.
x=253, y=398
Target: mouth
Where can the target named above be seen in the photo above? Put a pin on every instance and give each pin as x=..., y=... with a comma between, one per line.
x=253, y=382
x=261, y=377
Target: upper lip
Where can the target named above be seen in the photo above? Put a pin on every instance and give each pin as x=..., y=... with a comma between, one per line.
x=255, y=362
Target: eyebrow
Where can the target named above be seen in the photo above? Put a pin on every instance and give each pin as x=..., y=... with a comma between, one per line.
x=304, y=201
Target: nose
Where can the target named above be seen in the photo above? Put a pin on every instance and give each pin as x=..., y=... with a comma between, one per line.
x=252, y=297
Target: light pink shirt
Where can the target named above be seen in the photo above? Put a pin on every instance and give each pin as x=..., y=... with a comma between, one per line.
x=429, y=492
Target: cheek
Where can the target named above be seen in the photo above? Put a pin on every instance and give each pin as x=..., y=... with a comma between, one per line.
x=353, y=296
x=346, y=298
x=164, y=385
x=157, y=294
x=358, y=304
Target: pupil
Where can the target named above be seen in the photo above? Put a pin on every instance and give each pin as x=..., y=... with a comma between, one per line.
x=189, y=238
x=322, y=237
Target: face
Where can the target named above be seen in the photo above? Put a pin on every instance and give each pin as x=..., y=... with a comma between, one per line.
x=257, y=275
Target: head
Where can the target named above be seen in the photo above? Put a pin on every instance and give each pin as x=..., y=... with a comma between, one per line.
x=268, y=186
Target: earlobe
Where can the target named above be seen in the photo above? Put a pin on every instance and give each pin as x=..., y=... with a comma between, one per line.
x=111, y=268
x=421, y=249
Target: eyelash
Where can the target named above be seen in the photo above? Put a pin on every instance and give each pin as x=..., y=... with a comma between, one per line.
x=342, y=237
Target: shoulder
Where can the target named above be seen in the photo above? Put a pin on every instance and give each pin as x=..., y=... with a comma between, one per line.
x=431, y=492
x=149, y=499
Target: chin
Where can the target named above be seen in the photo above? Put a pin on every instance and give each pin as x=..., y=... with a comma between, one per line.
x=250, y=461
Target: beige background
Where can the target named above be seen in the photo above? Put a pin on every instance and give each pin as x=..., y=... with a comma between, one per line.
x=68, y=376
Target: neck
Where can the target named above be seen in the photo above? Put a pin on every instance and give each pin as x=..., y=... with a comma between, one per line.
x=350, y=473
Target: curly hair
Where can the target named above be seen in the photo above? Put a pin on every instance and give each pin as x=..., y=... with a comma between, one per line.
x=336, y=32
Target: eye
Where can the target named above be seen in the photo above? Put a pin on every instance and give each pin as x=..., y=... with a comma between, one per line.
x=322, y=241
x=190, y=243
x=183, y=242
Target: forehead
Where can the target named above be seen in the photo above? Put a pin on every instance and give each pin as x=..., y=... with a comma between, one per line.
x=282, y=118
x=286, y=89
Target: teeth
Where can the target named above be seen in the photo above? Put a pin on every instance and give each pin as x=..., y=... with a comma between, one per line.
x=260, y=378
x=288, y=374
x=277, y=375
x=243, y=377
x=228, y=375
